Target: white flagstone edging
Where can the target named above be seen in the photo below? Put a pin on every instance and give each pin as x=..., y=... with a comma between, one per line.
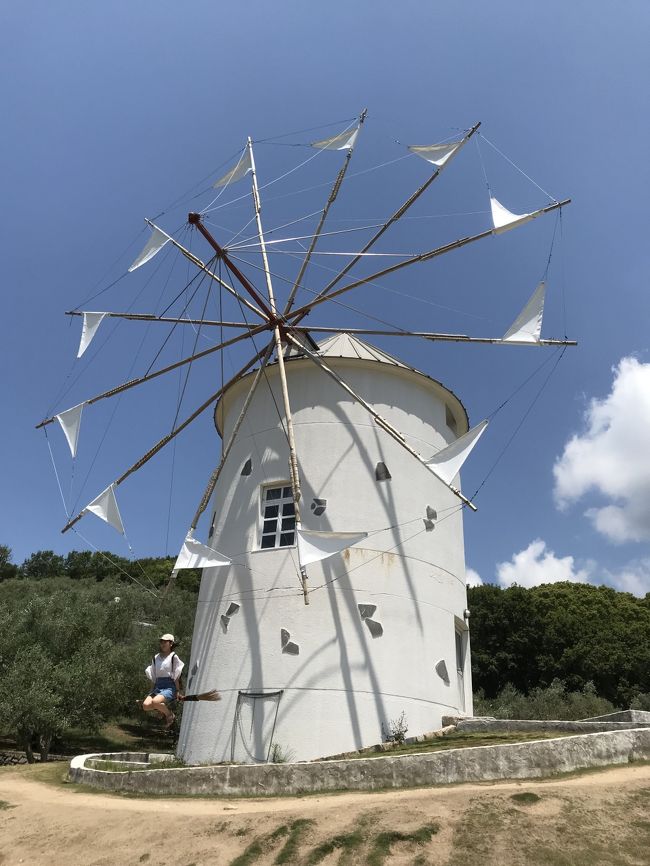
x=535, y=759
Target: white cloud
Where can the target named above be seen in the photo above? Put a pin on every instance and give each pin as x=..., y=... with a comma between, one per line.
x=537, y=564
x=634, y=577
x=612, y=457
x=473, y=578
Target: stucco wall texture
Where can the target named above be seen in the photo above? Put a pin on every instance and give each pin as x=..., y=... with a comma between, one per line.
x=347, y=678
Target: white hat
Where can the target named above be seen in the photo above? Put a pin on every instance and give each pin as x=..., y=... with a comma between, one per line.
x=168, y=637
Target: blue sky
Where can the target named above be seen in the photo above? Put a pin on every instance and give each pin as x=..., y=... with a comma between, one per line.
x=113, y=111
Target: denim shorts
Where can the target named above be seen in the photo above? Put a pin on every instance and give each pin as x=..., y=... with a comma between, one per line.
x=165, y=687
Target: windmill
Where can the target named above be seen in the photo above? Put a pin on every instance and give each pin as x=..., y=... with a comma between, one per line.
x=333, y=591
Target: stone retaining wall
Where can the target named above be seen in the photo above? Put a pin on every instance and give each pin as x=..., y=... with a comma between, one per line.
x=519, y=726
x=529, y=760
x=8, y=759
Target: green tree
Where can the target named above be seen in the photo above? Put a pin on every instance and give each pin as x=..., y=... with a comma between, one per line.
x=43, y=563
x=575, y=633
x=73, y=652
x=7, y=568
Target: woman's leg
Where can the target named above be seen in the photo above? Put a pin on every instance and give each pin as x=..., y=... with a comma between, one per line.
x=157, y=704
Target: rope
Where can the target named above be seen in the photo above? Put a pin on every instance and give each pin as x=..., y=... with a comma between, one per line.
x=56, y=473
x=546, y=361
x=514, y=165
x=114, y=564
x=562, y=275
x=308, y=129
x=200, y=275
x=209, y=209
x=266, y=378
x=277, y=228
x=101, y=553
x=63, y=390
x=119, y=399
x=519, y=426
x=243, y=246
x=189, y=366
x=480, y=156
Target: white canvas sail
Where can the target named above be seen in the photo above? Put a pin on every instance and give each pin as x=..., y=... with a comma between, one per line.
x=438, y=154
x=527, y=327
x=155, y=243
x=342, y=141
x=70, y=421
x=105, y=507
x=504, y=220
x=240, y=170
x=314, y=546
x=91, y=321
x=447, y=463
x=193, y=554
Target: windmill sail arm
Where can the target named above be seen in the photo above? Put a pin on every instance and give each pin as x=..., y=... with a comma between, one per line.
x=401, y=210
x=152, y=317
x=298, y=313
x=204, y=267
x=168, y=438
x=132, y=383
x=330, y=201
x=435, y=336
x=277, y=336
x=379, y=420
x=214, y=477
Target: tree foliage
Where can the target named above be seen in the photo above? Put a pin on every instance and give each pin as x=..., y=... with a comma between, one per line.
x=73, y=651
x=573, y=632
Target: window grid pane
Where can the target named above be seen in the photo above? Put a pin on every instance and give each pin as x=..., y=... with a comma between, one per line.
x=278, y=518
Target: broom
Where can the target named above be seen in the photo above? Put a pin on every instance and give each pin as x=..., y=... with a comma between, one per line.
x=212, y=695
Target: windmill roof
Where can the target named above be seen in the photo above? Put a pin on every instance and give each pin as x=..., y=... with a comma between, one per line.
x=345, y=345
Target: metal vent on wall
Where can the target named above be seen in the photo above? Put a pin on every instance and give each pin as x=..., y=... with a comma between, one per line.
x=366, y=612
x=288, y=646
x=381, y=472
x=233, y=608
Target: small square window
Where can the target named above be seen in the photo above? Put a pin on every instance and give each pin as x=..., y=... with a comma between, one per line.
x=278, y=517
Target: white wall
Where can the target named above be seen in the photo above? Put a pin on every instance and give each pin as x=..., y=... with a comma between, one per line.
x=344, y=683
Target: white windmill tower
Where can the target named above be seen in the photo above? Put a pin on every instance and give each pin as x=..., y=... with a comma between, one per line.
x=338, y=600
x=384, y=631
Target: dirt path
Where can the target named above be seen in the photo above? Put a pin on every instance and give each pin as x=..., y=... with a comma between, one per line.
x=599, y=818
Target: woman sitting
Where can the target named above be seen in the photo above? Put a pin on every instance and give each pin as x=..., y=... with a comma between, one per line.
x=165, y=673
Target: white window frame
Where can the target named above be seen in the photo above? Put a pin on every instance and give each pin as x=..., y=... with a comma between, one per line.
x=286, y=514
x=461, y=635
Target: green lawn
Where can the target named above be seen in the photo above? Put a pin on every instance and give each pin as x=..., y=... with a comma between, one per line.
x=460, y=740
x=120, y=735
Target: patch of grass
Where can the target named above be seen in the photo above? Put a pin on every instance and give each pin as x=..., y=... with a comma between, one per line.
x=381, y=847
x=289, y=851
x=466, y=740
x=250, y=854
x=4, y=805
x=144, y=857
x=348, y=842
x=525, y=797
x=242, y=831
x=123, y=766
